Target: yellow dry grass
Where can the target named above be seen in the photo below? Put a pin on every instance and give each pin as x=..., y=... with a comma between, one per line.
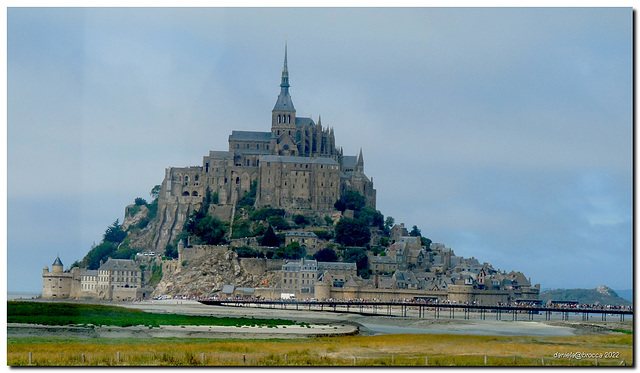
x=359, y=350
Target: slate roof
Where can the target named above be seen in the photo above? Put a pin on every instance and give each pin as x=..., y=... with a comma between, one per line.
x=57, y=262
x=284, y=103
x=216, y=154
x=227, y=289
x=301, y=234
x=382, y=260
x=406, y=276
x=250, y=136
x=409, y=239
x=349, y=160
x=119, y=264
x=336, y=265
x=351, y=283
x=304, y=121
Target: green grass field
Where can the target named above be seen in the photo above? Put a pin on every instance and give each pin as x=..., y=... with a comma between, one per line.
x=90, y=314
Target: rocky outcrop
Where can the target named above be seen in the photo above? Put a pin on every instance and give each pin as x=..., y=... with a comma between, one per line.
x=171, y=217
x=205, y=276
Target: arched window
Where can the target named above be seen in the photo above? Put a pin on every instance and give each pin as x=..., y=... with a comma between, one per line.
x=195, y=193
x=197, y=177
x=237, y=180
x=289, y=118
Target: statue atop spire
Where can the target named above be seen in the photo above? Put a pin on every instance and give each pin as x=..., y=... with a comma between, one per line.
x=285, y=70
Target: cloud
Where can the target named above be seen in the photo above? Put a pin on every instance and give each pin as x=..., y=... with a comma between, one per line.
x=503, y=132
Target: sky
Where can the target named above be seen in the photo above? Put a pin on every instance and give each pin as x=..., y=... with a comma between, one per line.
x=504, y=133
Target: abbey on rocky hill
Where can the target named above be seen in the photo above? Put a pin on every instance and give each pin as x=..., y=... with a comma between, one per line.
x=296, y=166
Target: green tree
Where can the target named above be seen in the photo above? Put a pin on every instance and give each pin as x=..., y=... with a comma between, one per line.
x=426, y=242
x=359, y=256
x=241, y=228
x=278, y=222
x=291, y=251
x=374, y=218
x=389, y=222
x=352, y=200
x=352, y=232
x=247, y=252
x=415, y=232
x=140, y=202
x=248, y=198
x=270, y=239
x=326, y=255
x=301, y=220
x=155, y=192
x=99, y=253
x=324, y=235
x=294, y=251
x=171, y=251
x=265, y=213
x=210, y=230
x=114, y=233
x=125, y=253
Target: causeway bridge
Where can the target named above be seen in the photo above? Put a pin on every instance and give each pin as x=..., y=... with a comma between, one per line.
x=425, y=309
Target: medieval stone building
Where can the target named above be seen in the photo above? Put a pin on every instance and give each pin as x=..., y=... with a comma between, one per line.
x=295, y=166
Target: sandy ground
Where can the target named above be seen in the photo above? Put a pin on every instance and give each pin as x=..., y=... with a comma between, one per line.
x=322, y=324
x=166, y=331
x=373, y=325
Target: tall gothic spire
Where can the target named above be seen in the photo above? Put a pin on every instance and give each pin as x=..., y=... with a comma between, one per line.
x=285, y=70
x=284, y=102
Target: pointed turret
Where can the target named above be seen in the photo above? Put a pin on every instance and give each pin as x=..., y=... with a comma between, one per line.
x=57, y=265
x=57, y=262
x=360, y=162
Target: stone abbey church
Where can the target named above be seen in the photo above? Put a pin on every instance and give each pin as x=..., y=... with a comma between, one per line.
x=296, y=166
